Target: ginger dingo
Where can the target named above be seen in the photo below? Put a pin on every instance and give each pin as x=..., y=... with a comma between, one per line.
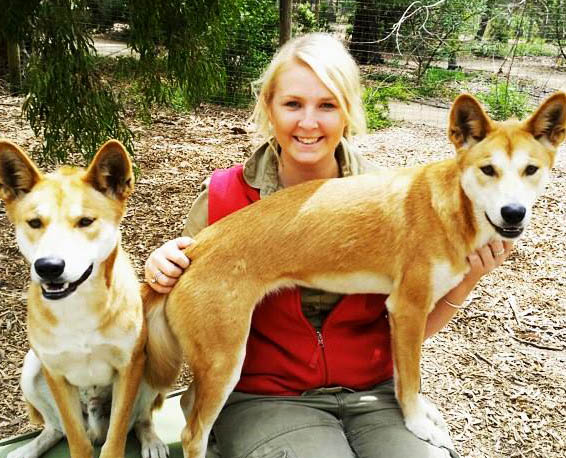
x=83, y=376
x=409, y=233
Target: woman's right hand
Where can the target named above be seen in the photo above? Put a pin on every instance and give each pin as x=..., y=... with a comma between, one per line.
x=166, y=264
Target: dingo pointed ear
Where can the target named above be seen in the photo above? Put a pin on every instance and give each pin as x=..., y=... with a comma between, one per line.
x=18, y=173
x=110, y=172
x=548, y=123
x=469, y=124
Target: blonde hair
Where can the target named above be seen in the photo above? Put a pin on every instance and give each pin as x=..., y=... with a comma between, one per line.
x=332, y=64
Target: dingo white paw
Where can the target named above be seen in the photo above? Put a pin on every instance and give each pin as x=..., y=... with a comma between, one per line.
x=153, y=447
x=427, y=424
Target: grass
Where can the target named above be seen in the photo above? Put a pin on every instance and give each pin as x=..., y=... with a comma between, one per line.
x=383, y=87
x=534, y=48
x=505, y=101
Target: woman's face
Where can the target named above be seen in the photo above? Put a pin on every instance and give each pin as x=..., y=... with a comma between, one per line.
x=306, y=118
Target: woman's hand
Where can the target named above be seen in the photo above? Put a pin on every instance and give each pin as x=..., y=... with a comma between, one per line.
x=166, y=264
x=487, y=258
x=482, y=261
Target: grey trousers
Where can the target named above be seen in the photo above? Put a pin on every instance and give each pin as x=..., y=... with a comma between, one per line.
x=325, y=423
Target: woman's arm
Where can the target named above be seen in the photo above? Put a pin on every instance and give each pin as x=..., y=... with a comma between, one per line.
x=481, y=262
x=165, y=264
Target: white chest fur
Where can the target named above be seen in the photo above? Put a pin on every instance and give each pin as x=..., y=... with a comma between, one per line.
x=86, y=355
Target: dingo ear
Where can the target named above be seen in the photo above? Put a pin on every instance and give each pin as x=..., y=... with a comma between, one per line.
x=18, y=173
x=469, y=124
x=549, y=121
x=110, y=172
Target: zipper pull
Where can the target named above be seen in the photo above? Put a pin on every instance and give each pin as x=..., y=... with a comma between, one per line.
x=320, y=339
x=314, y=360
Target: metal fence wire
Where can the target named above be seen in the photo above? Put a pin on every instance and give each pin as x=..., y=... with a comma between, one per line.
x=409, y=50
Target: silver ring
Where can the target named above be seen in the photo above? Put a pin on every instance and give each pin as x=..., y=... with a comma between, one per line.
x=156, y=276
x=499, y=253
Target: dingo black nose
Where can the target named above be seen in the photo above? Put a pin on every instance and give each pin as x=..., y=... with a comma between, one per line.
x=49, y=268
x=513, y=213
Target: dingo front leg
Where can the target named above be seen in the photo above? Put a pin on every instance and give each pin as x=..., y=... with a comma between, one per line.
x=407, y=314
x=124, y=394
x=67, y=399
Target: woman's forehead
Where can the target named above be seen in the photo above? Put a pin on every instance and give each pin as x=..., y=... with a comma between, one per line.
x=297, y=79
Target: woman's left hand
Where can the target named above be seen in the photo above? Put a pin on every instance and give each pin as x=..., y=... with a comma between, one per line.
x=487, y=258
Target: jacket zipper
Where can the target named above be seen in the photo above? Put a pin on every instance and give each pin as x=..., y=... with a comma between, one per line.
x=320, y=341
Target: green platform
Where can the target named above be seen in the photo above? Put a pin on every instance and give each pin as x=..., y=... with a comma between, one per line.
x=169, y=422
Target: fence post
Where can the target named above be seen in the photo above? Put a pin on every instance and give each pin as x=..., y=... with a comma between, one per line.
x=285, y=9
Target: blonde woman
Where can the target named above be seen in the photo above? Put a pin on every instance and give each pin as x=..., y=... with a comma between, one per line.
x=317, y=378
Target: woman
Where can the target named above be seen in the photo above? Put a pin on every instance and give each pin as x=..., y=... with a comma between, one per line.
x=328, y=405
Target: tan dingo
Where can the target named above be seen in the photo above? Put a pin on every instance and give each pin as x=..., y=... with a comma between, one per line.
x=85, y=317
x=409, y=233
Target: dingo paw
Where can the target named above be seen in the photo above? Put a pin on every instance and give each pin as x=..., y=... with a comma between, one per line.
x=427, y=424
x=155, y=449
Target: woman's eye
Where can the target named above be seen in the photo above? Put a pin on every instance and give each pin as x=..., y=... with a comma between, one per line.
x=328, y=106
x=292, y=104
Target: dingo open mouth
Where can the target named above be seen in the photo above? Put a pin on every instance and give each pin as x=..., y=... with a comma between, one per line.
x=509, y=232
x=54, y=290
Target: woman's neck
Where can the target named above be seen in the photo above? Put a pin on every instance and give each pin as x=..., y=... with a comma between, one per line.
x=291, y=173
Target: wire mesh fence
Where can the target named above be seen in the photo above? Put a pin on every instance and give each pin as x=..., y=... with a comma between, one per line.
x=509, y=53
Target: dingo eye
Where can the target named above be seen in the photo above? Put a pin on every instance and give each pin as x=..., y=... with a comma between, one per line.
x=84, y=222
x=531, y=170
x=488, y=170
x=34, y=223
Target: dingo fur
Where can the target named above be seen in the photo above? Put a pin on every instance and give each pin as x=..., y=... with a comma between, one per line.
x=409, y=231
x=83, y=377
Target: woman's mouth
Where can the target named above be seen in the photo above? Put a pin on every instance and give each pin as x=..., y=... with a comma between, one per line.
x=308, y=140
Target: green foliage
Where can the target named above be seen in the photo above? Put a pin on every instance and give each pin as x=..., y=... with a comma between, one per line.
x=503, y=101
x=306, y=20
x=429, y=33
x=15, y=19
x=435, y=82
x=495, y=49
x=556, y=30
x=252, y=29
x=376, y=101
x=180, y=45
x=68, y=102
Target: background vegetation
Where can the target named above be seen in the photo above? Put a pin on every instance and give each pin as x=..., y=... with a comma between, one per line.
x=186, y=53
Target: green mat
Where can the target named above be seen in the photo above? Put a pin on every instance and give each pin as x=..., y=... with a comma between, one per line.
x=169, y=422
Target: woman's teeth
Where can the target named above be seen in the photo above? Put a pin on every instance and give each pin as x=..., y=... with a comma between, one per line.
x=308, y=140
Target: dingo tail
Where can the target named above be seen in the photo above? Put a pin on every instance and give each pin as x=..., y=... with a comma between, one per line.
x=164, y=355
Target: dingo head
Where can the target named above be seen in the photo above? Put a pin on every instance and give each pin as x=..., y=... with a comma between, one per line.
x=67, y=221
x=506, y=165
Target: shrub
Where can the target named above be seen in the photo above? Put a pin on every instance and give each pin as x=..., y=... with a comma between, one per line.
x=504, y=101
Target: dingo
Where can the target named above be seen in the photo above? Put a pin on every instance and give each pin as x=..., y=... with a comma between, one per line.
x=409, y=233
x=85, y=318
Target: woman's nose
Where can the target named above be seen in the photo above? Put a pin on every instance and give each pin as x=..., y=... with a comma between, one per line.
x=308, y=120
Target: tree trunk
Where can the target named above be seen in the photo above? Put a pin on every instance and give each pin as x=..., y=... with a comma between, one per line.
x=14, y=68
x=285, y=9
x=484, y=20
x=373, y=21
